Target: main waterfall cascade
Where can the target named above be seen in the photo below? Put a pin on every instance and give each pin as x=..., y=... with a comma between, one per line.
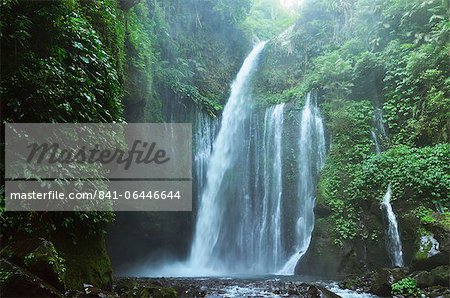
x=394, y=243
x=248, y=222
x=211, y=239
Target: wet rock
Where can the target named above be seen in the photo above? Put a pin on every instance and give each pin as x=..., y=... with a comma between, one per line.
x=441, y=275
x=327, y=293
x=321, y=210
x=432, y=248
x=203, y=291
x=320, y=292
x=437, y=292
x=39, y=257
x=145, y=288
x=91, y=291
x=313, y=292
x=423, y=279
x=384, y=278
x=360, y=283
x=18, y=282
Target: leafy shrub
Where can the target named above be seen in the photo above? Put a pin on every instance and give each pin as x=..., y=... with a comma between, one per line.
x=416, y=175
x=406, y=286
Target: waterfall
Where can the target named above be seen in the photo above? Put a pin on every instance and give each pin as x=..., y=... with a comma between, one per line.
x=246, y=223
x=375, y=141
x=378, y=130
x=310, y=160
x=208, y=245
x=270, y=230
x=394, y=243
x=205, y=131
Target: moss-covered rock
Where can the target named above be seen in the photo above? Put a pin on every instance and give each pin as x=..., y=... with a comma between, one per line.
x=39, y=257
x=424, y=279
x=87, y=261
x=18, y=282
x=324, y=258
x=383, y=280
x=428, y=251
x=441, y=275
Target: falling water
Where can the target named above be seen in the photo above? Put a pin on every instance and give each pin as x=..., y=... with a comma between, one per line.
x=394, y=243
x=207, y=244
x=246, y=223
x=379, y=121
x=376, y=142
x=205, y=131
x=270, y=230
x=310, y=160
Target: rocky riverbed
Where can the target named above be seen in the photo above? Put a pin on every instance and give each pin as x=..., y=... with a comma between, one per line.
x=228, y=287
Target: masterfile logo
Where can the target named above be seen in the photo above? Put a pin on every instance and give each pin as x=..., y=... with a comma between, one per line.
x=104, y=166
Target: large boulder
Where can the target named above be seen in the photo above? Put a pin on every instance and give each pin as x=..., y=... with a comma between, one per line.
x=439, y=276
x=430, y=252
x=39, y=257
x=325, y=258
x=384, y=278
x=424, y=279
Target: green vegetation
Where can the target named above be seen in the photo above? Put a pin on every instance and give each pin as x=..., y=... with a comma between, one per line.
x=109, y=61
x=159, y=60
x=267, y=18
x=362, y=56
x=51, y=48
x=406, y=287
x=416, y=175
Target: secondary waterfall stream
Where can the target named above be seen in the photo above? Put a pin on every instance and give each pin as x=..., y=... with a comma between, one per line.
x=394, y=243
x=311, y=158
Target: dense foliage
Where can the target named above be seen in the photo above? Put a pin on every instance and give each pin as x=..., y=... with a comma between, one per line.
x=365, y=57
x=115, y=61
x=407, y=287
x=109, y=61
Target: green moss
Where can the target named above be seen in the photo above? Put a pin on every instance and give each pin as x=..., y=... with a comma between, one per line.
x=49, y=255
x=87, y=261
x=422, y=248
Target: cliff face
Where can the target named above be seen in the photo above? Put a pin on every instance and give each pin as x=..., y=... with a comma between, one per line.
x=112, y=61
x=62, y=61
x=181, y=59
x=362, y=62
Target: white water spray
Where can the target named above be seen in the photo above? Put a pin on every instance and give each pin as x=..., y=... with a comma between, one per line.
x=394, y=242
x=210, y=216
x=311, y=148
